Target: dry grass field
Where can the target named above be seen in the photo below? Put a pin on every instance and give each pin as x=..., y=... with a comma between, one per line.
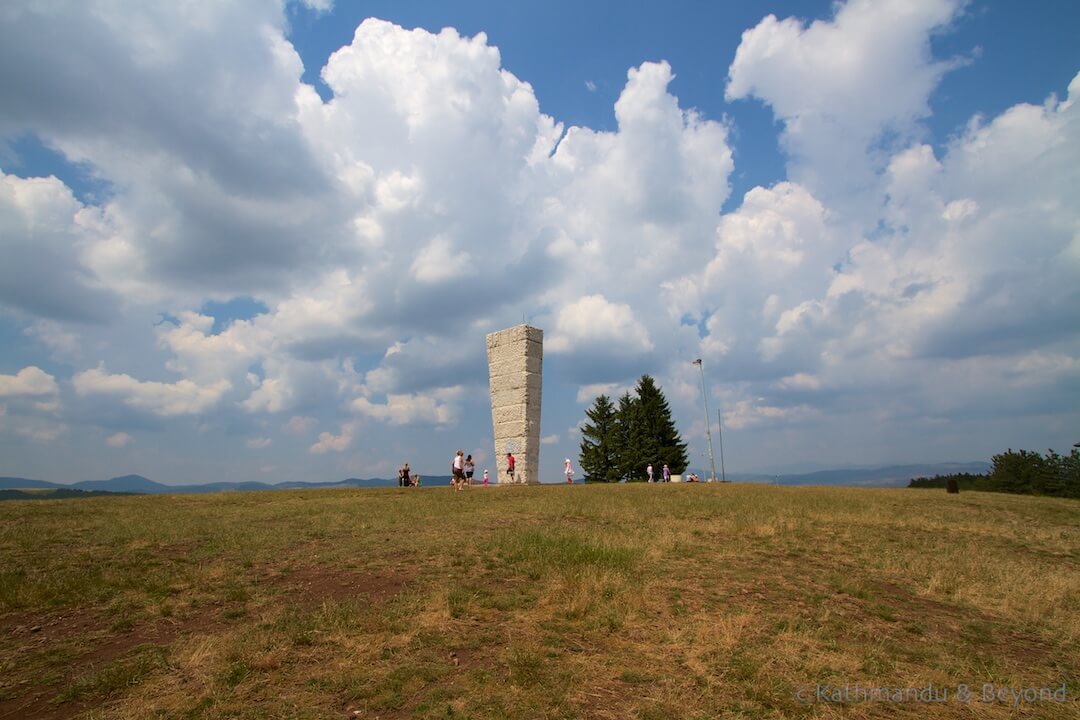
x=662, y=601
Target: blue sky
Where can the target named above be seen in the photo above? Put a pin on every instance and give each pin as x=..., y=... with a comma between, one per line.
x=264, y=241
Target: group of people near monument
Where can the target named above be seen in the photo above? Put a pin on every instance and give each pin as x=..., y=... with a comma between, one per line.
x=462, y=470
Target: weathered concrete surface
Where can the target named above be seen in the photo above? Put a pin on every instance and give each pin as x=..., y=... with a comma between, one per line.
x=515, y=370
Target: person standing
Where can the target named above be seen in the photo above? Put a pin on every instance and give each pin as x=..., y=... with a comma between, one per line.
x=648, y=472
x=510, y=466
x=568, y=470
x=403, y=476
x=485, y=477
x=666, y=473
x=457, y=470
x=470, y=468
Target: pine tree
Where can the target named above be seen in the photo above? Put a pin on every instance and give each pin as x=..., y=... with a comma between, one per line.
x=658, y=437
x=620, y=443
x=598, y=459
x=627, y=434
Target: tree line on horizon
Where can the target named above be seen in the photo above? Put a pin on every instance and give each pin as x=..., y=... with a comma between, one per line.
x=1022, y=472
x=619, y=441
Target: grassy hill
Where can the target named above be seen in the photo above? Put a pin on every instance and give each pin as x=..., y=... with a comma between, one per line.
x=663, y=601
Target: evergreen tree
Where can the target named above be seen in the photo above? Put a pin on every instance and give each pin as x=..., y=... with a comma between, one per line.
x=627, y=435
x=599, y=459
x=619, y=443
x=657, y=435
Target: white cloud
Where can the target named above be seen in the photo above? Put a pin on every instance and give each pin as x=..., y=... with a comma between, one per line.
x=183, y=397
x=47, y=233
x=436, y=203
x=549, y=439
x=840, y=86
x=61, y=342
x=586, y=394
x=590, y=86
x=754, y=413
x=118, y=440
x=437, y=262
x=320, y=6
x=258, y=443
x=328, y=442
x=799, y=381
x=433, y=408
x=300, y=425
x=30, y=381
x=271, y=395
x=594, y=322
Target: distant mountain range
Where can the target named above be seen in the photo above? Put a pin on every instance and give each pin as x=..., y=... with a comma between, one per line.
x=146, y=486
x=891, y=476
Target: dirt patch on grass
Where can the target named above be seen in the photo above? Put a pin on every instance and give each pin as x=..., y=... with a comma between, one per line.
x=318, y=583
x=93, y=648
x=88, y=642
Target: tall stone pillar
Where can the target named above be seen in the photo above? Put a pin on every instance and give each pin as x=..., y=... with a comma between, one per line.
x=515, y=367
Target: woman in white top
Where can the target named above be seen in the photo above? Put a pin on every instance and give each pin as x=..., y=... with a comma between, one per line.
x=458, y=469
x=568, y=470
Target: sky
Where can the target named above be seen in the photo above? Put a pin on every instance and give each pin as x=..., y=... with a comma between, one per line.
x=264, y=240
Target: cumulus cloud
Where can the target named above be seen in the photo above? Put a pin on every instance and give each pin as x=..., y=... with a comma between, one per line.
x=299, y=425
x=438, y=407
x=118, y=440
x=46, y=234
x=430, y=201
x=751, y=413
x=328, y=442
x=30, y=381
x=593, y=321
x=843, y=86
x=183, y=397
x=62, y=343
x=586, y=394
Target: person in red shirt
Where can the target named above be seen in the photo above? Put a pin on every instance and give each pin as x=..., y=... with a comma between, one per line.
x=510, y=466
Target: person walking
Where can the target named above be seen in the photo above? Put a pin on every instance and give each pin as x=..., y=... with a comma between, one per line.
x=470, y=468
x=648, y=472
x=666, y=473
x=457, y=470
x=510, y=466
x=568, y=470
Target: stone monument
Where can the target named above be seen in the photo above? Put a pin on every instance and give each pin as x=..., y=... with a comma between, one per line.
x=515, y=366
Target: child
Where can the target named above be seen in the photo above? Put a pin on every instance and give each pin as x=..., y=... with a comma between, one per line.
x=485, y=477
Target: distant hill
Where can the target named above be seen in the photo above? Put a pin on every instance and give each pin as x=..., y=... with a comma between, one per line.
x=124, y=483
x=890, y=476
x=143, y=485
x=7, y=483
